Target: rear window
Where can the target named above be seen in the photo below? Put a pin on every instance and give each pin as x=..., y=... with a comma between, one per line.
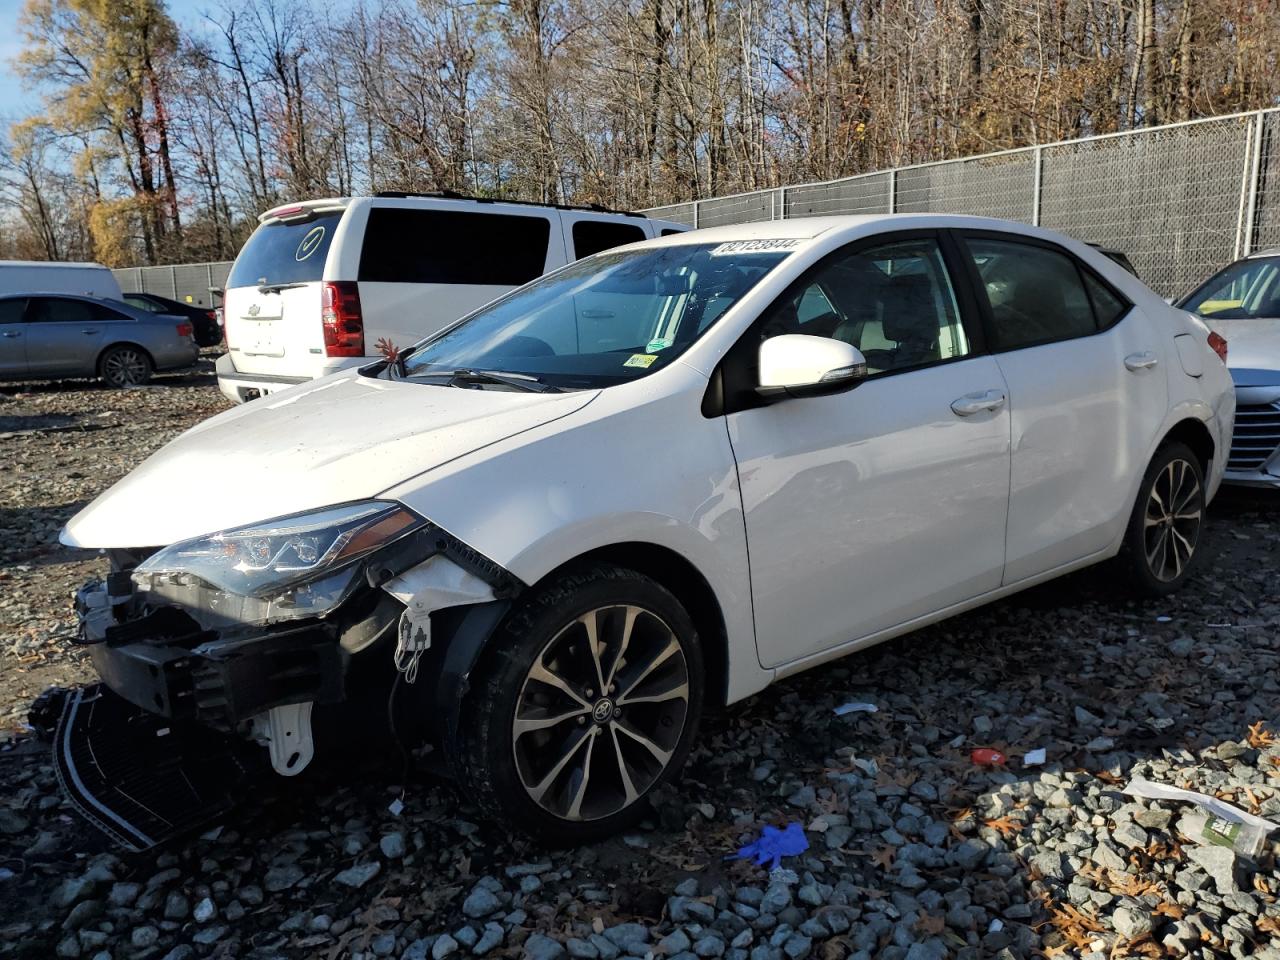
x=592, y=236
x=280, y=252
x=450, y=246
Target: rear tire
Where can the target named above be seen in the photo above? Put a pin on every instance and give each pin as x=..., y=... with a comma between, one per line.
x=1160, y=547
x=566, y=744
x=125, y=366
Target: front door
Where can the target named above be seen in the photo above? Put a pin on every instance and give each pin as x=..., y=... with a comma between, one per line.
x=873, y=507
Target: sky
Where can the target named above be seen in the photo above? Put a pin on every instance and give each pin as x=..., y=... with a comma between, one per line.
x=16, y=103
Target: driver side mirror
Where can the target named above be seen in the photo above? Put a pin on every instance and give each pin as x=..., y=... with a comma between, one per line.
x=799, y=365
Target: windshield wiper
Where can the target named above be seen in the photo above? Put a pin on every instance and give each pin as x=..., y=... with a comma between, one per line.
x=516, y=381
x=265, y=287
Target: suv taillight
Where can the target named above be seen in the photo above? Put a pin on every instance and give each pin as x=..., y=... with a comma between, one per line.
x=1218, y=345
x=341, y=318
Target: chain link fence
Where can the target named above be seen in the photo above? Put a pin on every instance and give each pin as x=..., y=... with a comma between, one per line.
x=1181, y=200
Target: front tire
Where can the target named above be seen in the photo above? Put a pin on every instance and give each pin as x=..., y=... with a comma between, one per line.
x=587, y=698
x=1161, y=543
x=125, y=366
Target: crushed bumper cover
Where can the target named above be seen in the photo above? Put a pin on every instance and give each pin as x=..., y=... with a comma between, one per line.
x=142, y=779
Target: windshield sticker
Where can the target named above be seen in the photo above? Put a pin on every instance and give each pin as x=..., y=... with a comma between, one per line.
x=310, y=244
x=755, y=246
x=661, y=343
x=642, y=360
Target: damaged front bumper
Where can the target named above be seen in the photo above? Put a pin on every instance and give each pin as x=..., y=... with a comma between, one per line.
x=191, y=690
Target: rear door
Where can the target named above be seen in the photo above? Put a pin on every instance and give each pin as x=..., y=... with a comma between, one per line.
x=273, y=296
x=64, y=336
x=588, y=233
x=1087, y=394
x=424, y=265
x=13, y=339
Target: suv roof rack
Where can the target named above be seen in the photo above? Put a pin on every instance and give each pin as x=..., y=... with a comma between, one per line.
x=454, y=195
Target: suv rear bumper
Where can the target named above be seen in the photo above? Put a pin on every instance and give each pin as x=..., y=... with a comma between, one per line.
x=240, y=387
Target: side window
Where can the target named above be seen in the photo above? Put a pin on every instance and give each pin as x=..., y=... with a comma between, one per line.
x=592, y=236
x=893, y=302
x=671, y=231
x=105, y=314
x=1036, y=294
x=1108, y=307
x=143, y=304
x=56, y=310
x=453, y=246
x=11, y=309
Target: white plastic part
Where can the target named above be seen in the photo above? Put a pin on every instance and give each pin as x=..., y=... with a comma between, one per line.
x=432, y=585
x=287, y=733
x=799, y=360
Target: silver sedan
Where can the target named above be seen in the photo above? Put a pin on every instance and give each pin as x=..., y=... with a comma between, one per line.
x=48, y=336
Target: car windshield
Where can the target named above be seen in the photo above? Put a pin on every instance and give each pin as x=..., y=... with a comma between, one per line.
x=605, y=320
x=1247, y=290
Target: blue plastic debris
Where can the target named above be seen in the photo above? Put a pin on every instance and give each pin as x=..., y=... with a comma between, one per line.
x=773, y=845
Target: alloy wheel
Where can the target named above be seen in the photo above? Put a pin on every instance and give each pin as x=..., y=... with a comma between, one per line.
x=600, y=713
x=125, y=367
x=1171, y=524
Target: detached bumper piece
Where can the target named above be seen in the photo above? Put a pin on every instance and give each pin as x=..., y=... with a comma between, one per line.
x=143, y=779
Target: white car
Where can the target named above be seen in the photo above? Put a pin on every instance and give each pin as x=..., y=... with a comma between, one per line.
x=664, y=476
x=1242, y=303
x=326, y=285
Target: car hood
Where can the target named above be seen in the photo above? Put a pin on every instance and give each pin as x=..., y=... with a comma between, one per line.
x=346, y=437
x=1253, y=349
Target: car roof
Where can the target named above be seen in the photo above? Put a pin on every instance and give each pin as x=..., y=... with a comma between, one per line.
x=811, y=228
x=1259, y=254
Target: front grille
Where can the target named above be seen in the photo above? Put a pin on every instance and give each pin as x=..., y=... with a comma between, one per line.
x=1256, y=436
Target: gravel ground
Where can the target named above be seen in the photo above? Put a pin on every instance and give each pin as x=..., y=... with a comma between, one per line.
x=914, y=850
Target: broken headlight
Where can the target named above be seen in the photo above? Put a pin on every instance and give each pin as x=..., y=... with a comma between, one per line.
x=299, y=566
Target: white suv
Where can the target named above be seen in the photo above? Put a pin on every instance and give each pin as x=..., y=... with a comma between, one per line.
x=328, y=284
x=667, y=475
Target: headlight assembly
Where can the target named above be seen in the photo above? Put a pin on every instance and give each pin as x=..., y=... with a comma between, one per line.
x=299, y=566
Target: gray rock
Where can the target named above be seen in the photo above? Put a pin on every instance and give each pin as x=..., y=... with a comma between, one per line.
x=776, y=899
x=357, y=876
x=142, y=937
x=1131, y=922
x=392, y=846
x=280, y=878
x=183, y=951
x=969, y=855
x=584, y=949
x=1105, y=855
x=384, y=944
x=709, y=946
x=1130, y=835
x=541, y=947
x=490, y=939
x=677, y=941
x=480, y=903
x=797, y=946
x=445, y=946
x=204, y=911
x=123, y=894
x=1219, y=863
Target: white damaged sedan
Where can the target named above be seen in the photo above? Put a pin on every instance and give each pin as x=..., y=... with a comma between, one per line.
x=542, y=541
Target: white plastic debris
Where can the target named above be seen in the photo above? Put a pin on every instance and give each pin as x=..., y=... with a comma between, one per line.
x=1033, y=758
x=1223, y=825
x=1164, y=619
x=396, y=807
x=854, y=706
x=6, y=873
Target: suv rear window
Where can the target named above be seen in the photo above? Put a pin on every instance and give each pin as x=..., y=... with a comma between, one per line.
x=450, y=246
x=280, y=252
x=592, y=236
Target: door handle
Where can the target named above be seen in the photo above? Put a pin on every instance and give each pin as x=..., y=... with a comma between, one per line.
x=1141, y=361
x=89, y=333
x=972, y=403
x=12, y=333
